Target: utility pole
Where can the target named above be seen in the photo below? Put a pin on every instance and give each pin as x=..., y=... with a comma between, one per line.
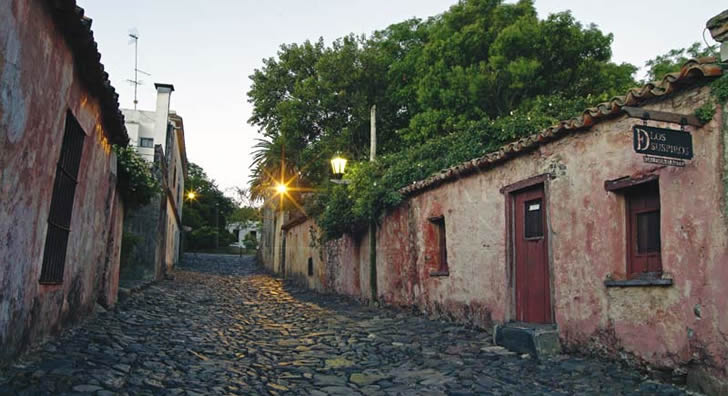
x=217, y=227
x=373, y=222
x=373, y=133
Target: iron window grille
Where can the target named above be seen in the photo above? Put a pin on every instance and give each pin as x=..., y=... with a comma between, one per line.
x=64, y=190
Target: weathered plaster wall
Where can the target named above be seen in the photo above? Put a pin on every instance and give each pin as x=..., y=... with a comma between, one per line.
x=171, y=238
x=303, y=240
x=664, y=326
x=38, y=84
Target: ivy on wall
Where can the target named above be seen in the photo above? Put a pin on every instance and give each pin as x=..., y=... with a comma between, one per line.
x=136, y=181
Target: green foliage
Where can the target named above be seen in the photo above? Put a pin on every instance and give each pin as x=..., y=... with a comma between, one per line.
x=447, y=89
x=673, y=60
x=373, y=187
x=209, y=208
x=203, y=238
x=250, y=242
x=706, y=112
x=136, y=182
x=719, y=89
x=245, y=214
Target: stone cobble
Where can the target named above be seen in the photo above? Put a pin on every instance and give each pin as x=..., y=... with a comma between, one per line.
x=221, y=326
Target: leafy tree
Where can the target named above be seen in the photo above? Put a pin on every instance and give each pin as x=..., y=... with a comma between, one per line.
x=137, y=183
x=673, y=60
x=447, y=89
x=210, y=206
x=245, y=214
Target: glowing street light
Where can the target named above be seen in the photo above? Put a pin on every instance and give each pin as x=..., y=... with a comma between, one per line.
x=191, y=195
x=281, y=188
x=338, y=164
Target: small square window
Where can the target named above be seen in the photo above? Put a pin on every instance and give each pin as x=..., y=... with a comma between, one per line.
x=146, y=142
x=533, y=218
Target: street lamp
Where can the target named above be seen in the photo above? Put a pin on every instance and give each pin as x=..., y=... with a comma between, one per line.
x=191, y=196
x=338, y=164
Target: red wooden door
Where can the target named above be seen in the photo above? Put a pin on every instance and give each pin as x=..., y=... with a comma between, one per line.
x=533, y=295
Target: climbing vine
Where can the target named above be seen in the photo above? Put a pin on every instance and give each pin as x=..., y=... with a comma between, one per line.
x=719, y=89
x=136, y=182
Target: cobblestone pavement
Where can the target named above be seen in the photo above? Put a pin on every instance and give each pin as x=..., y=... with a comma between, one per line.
x=223, y=327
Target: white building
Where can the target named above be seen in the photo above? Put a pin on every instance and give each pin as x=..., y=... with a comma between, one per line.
x=159, y=137
x=242, y=229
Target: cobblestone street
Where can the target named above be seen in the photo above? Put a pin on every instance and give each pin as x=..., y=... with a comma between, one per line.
x=224, y=327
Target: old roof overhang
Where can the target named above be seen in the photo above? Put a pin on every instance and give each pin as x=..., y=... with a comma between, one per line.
x=691, y=72
x=76, y=29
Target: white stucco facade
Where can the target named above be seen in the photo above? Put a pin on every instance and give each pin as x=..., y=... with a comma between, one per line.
x=242, y=229
x=163, y=129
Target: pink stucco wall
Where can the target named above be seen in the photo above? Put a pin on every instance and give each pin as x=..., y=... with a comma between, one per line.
x=37, y=67
x=660, y=326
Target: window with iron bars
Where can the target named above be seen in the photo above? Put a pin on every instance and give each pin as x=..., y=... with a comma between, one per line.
x=64, y=190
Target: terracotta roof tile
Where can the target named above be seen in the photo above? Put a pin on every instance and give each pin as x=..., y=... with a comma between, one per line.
x=76, y=29
x=691, y=71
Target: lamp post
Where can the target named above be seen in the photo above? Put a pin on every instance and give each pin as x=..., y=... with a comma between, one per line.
x=338, y=165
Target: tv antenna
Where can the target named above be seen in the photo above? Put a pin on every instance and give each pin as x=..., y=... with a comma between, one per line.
x=136, y=82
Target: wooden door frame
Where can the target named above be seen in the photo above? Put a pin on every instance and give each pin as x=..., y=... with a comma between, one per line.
x=509, y=192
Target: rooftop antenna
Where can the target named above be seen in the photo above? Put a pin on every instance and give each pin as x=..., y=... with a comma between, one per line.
x=136, y=82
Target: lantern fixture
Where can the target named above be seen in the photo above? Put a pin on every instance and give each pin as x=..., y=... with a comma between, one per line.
x=338, y=164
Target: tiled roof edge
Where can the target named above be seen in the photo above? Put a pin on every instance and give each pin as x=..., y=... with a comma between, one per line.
x=693, y=70
x=76, y=29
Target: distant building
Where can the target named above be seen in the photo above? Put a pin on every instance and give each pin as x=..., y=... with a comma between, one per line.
x=61, y=214
x=243, y=229
x=154, y=231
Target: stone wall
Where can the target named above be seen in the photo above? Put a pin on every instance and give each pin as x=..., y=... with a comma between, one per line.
x=39, y=83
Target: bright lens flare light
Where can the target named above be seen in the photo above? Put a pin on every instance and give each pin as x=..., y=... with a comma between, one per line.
x=281, y=188
x=191, y=195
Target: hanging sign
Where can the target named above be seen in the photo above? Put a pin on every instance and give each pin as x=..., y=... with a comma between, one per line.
x=662, y=142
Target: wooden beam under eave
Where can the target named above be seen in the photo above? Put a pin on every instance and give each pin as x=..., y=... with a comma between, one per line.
x=655, y=115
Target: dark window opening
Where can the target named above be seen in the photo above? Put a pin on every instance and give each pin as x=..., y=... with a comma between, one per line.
x=146, y=142
x=310, y=266
x=439, y=224
x=254, y=234
x=64, y=190
x=643, y=230
x=533, y=219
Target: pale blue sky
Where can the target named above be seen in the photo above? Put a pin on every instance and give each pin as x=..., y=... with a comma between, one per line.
x=207, y=49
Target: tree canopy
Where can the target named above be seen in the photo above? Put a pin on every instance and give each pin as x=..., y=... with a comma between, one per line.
x=447, y=89
x=671, y=62
x=209, y=208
